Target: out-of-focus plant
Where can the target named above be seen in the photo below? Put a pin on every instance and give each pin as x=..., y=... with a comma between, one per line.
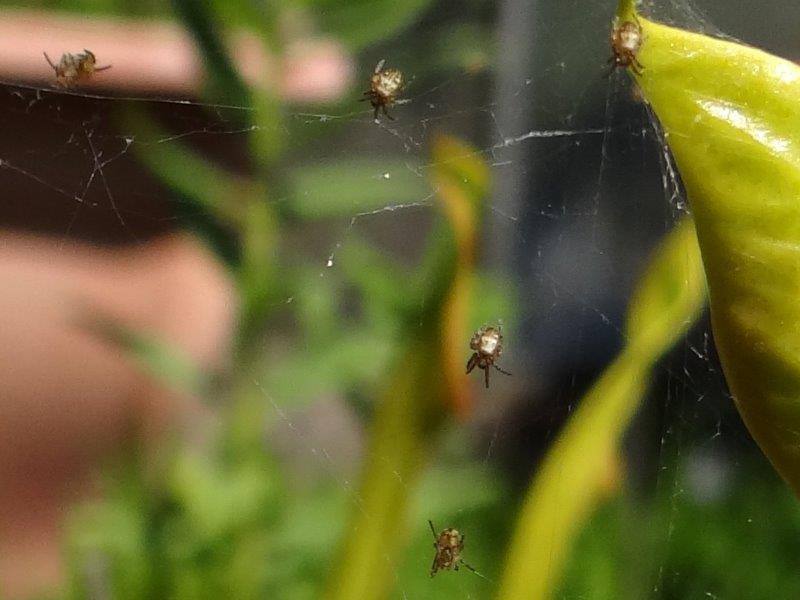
x=214, y=518
x=731, y=117
x=365, y=22
x=209, y=521
x=685, y=543
x=211, y=516
x=583, y=466
x=412, y=404
x=461, y=182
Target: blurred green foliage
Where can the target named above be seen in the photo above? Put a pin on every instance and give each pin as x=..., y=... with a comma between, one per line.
x=409, y=414
x=225, y=516
x=225, y=513
x=363, y=22
x=678, y=544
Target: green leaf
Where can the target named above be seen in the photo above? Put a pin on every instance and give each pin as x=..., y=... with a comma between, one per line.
x=347, y=188
x=407, y=415
x=213, y=189
x=257, y=269
x=581, y=466
x=225, y=83
x=213, y=534
x=107, y=549
x=362, y=22
x=461, y=179
x=731, y=116
x=160, y=359
x=341, y=363
x=380, y=279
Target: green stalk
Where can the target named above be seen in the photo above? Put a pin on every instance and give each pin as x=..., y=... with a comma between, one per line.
x=626, y=9
x=200, y=18
x=409, y=414
x=413, y=402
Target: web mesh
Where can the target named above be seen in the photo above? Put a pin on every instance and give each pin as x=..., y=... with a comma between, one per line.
x=583, y=187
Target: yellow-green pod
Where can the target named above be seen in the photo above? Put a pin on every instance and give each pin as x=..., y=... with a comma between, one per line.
x=731, y=116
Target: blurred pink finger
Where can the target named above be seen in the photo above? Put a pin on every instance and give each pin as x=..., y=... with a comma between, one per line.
x=160, y=57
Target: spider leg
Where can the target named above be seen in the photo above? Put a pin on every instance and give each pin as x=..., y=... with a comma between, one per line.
x=386, y=112
x=433, y=566
x=106, y=68
x=49, y=62
x=636, y=66
x=504, y=372
x=377, y=108
x=613, y=64
x=473, y=360
x=433, y=530
x=468, y=566
x=486, y=372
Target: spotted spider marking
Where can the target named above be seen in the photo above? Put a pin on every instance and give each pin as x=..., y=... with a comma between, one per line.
x=626, y=41
x=71, y=69
x=385, y=86
x=487, y=344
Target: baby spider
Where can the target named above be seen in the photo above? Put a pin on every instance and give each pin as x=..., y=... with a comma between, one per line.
x=73, y=68
x=487, y=343
x=625, y=43
x=449, y=544
x=384, y=87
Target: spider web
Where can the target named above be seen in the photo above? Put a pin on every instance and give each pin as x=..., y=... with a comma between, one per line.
x=583, y=189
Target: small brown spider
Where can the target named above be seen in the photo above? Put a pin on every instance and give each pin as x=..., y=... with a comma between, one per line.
x=74, y=68
x=487, y=343
x=449, y=544
x=384, y=87
x=626, y=40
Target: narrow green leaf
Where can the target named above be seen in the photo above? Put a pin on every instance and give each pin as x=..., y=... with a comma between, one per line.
x=462, y=181
x=581, y=466
x=163, y=361
x=216, y=191
x=379, y=279
x=347, y=188
x=200, y=19
x=362, y=22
